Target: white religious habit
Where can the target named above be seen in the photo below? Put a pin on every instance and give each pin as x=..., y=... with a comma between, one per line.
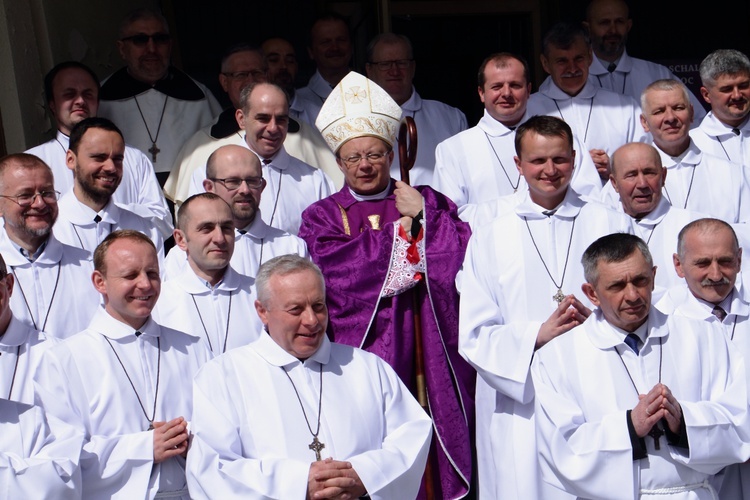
x=139, y=191
x=78, y=225
x=291, y=186
x=435, y=122
x=632, y=75
x=589, y=379
x=515, y=268
x=110, y=383
x=303, y=141
x=477, y=165
x=599, y=118
x=311, y=98
x=719, y=139
x=34, y=462
x=157, y=119
x=52, y=290
x=222, y=315
x=253, y=245
x=257, y=408
x=735, y=320
x=21, y=349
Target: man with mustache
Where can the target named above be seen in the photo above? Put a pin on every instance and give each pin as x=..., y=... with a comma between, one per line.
x=709, y=258
x=601, y=119
x=608, y=23
x=724, y=132
x=157, y=106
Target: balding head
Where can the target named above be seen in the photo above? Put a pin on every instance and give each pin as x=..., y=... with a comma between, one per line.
x=638, y=177
x=234, y=173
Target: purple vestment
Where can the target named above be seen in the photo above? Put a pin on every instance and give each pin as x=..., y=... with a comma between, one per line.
x=355, y=260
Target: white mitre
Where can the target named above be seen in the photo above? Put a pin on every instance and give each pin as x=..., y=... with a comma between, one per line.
x=358, y=107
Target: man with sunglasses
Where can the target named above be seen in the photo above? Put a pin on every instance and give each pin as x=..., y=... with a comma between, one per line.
x=390, y=64
x=157, y=106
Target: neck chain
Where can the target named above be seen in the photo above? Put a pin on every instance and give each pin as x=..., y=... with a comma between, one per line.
x=518, y=181
x=624, y=79
x=690, y=188
x=80, y=240
x=276, y=201
x=656, y=432
x=588, y=120
x=559, y=296
x=652, y=231
x=51, y=300
x=226, y=331
x=156, y=391
x=65, y=151
x=153, y=149
x=315, y=445
x=15, y=368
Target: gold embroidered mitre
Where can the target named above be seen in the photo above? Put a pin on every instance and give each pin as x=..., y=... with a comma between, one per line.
x=358, y=107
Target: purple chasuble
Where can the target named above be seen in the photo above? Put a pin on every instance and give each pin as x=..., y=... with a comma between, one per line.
x=352, y=243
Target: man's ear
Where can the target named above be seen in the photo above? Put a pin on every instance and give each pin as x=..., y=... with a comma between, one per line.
x=590, y=292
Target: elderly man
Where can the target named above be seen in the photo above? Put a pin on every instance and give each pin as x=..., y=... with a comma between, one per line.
x=477, y=166
x=391, y=64
x=390, y=253
x=637, y=177
x=309, y=389
x=125, y=381
x=242, y=65
x=47, y=274
x=72, y=93
x=208, y=299
x=234, y=174
x=709, y=258
x=603, y=120
x=627, y=403
x=608, y=23
x=87, y=211
x=264, y=116
x=725, y=75
x=517, y=282
x=330, y=48
x=157, y=106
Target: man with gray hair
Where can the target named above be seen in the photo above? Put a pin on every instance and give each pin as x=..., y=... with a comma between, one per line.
x=391, y=64
x=310, y=390
x=724, y=132
x=626, y=402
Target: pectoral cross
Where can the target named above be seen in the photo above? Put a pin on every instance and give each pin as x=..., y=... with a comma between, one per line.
x=559, y=296
x=316, y=446
x=656, y=433
x=154, y=151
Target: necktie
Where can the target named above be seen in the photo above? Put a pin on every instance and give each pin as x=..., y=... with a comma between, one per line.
x=266, y=161
x=612, y=66
x=736, y=131
x=241, y=231
x=549, y=213
x=719, y=313
x=633, y=342
x=97, y=219
x=138, y=334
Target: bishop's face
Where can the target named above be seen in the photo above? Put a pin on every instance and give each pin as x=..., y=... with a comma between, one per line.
x=366, y=164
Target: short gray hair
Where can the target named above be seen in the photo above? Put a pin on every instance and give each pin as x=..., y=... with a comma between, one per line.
x=615, y=247
x=665, y=84
x=706, y=225
x=723, y=62
x=281, y=266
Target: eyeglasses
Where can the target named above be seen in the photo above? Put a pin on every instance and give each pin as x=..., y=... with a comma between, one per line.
x=232, y=183
x=354, y=160
x=26, y=200
x=399, y=63
x=141, y=39
x=244, y=75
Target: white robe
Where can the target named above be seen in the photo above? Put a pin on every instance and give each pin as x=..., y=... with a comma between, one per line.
x=584, y=388
x=509, y=296
x=307, y=145
x=435, y=122
x=81, y=382
x=139, y=191
x=311, y=98
x=181, y=119
x=716, y=138
x=257, y=245
x=34, y=462
x=477, y=165
x=76, y=227
x=223, y=316
x=599, y=118
x=54, y=293
x=250, y=437
x=633, y=75
x=21, y=349
x=291, y=186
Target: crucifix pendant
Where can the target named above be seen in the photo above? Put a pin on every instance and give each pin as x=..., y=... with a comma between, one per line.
x=316, y=446
x=656, y=433
x=150, y=426
x=559, y=296
x=154, y=151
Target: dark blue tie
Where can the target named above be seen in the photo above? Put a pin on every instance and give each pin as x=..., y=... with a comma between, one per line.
x=633, y=342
